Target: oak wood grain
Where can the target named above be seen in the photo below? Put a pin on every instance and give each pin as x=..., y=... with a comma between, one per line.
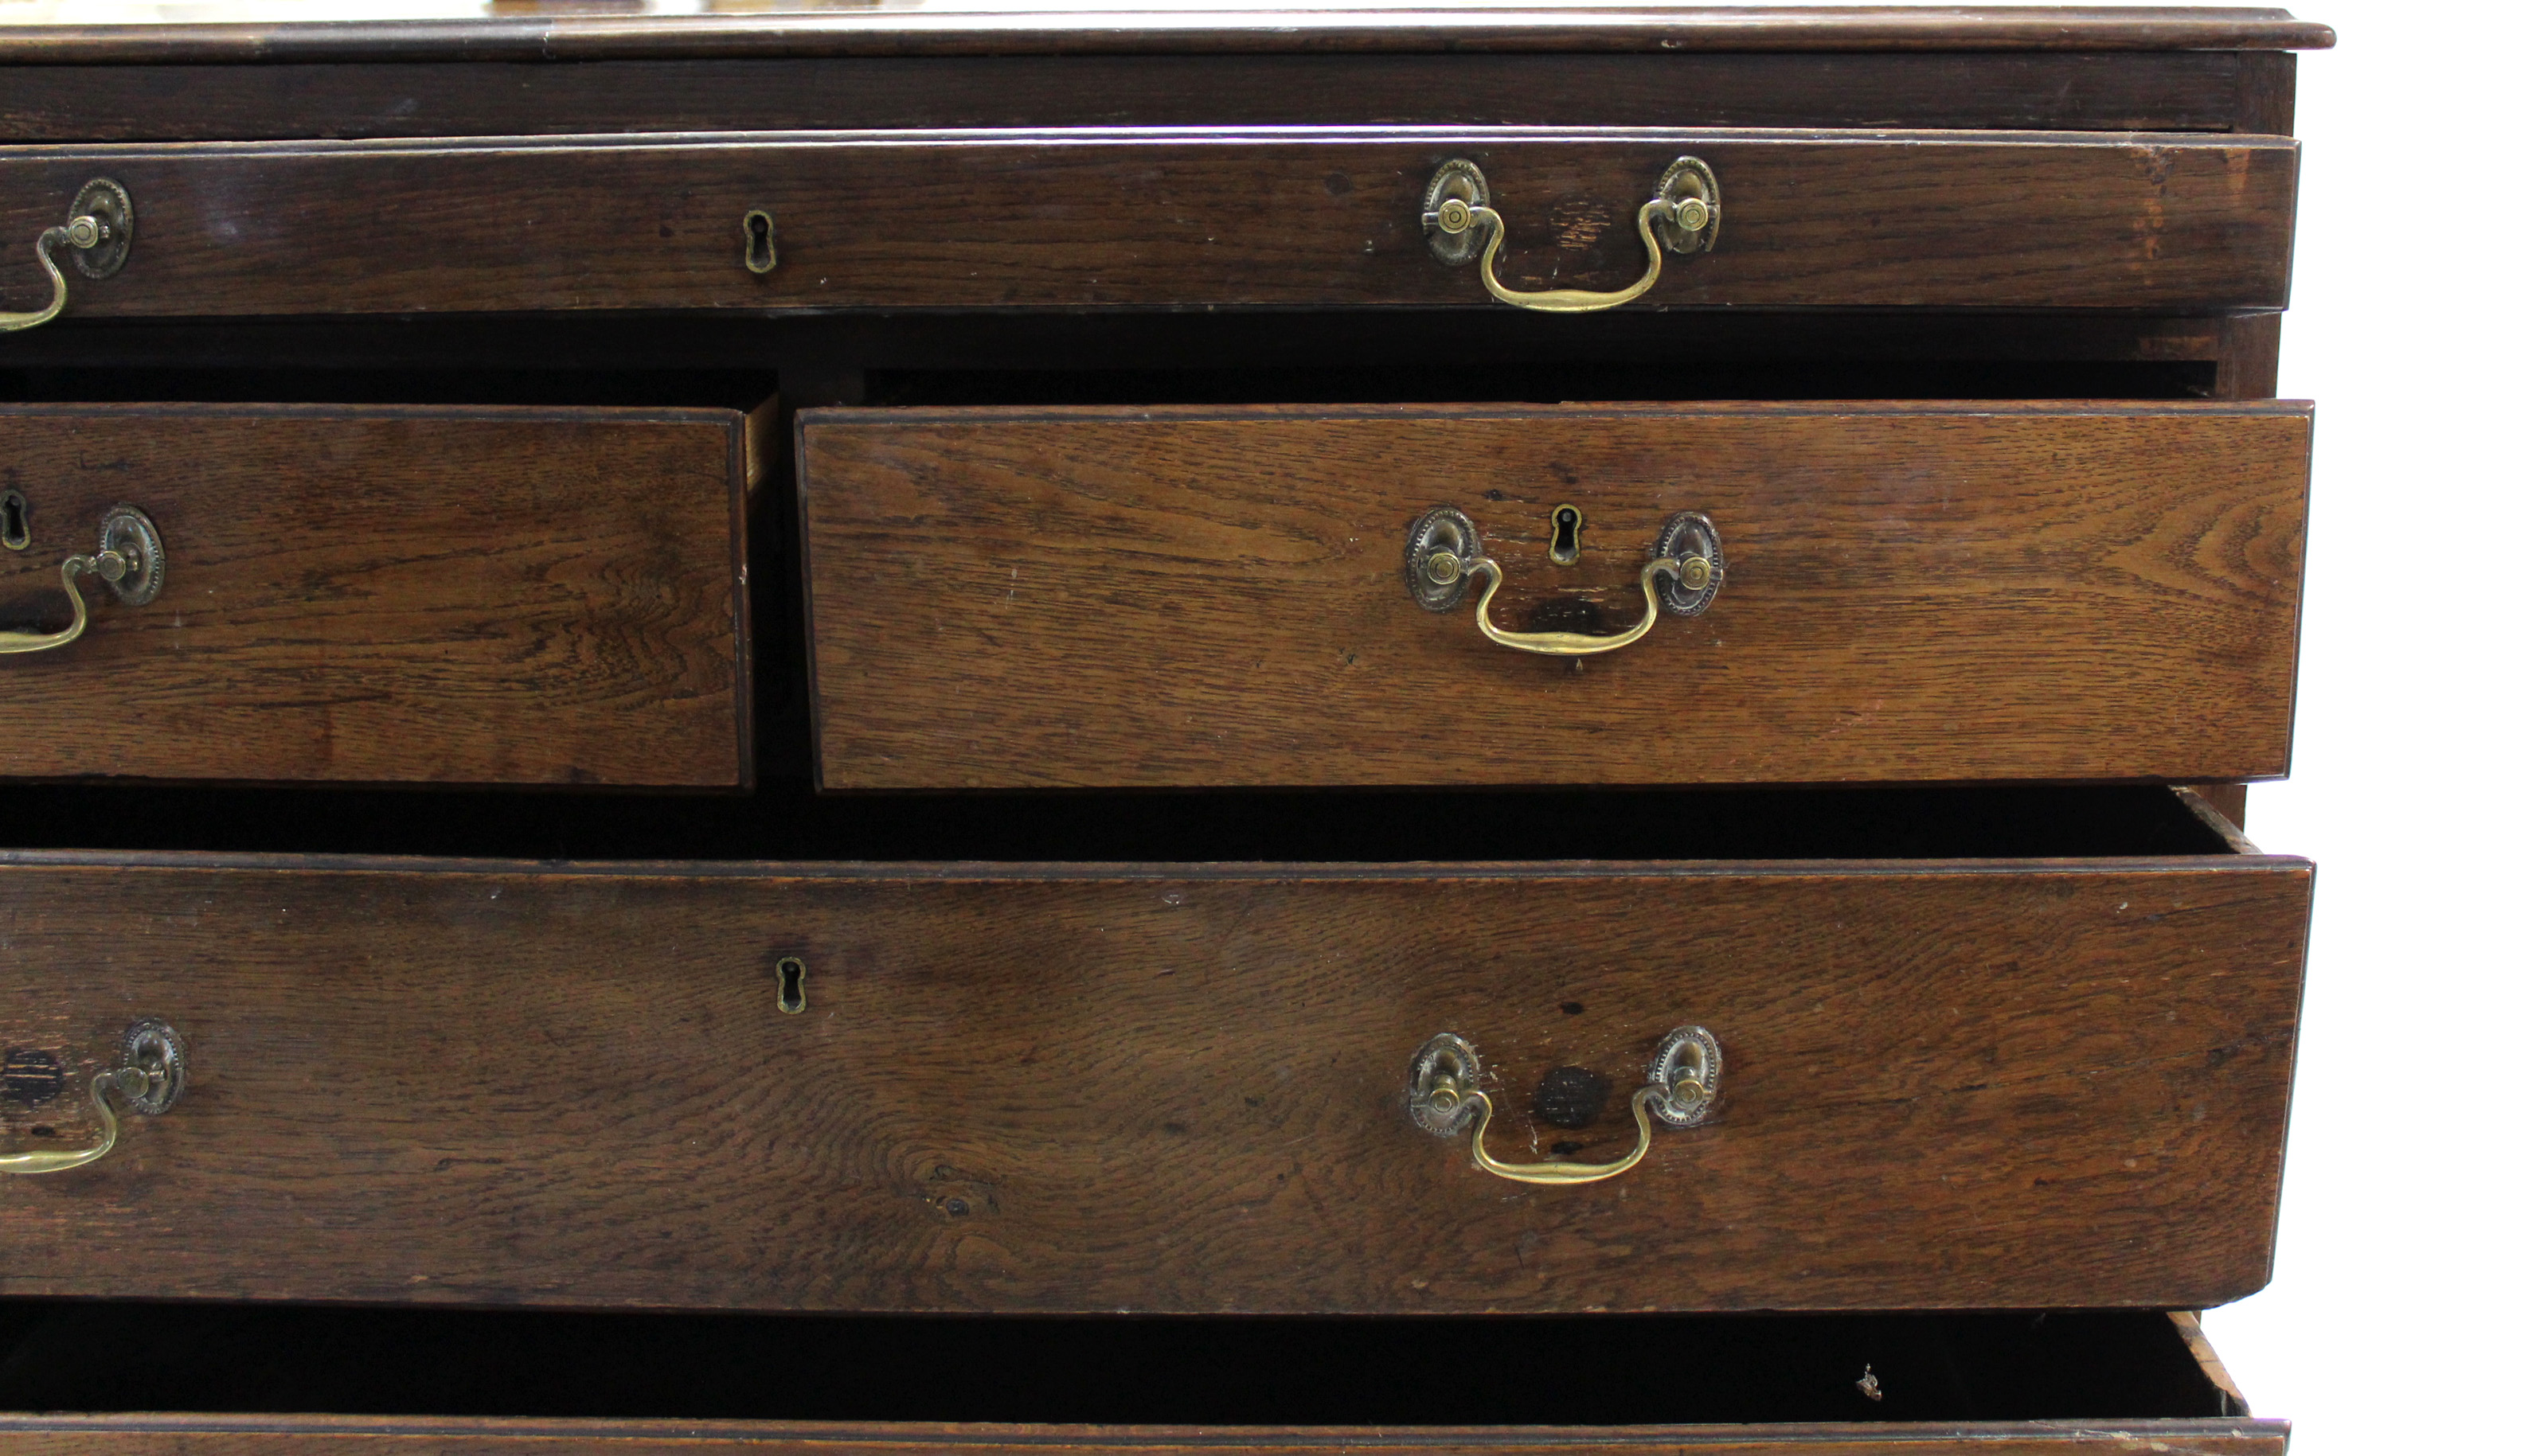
x=2003, y=1084
x=211, y=1435
x=386, y=593
x=2120, y=90
x=1912, y=592
x=1434, y=29
x=1184, y=219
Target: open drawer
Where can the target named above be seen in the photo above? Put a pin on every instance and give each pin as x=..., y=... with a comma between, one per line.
x=1573, y=593
x=221, y=1380
x=380, y=592
x=1187, y=1054
x=1332, y=217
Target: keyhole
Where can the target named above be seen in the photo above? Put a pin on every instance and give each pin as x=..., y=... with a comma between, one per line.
x=758, y=227
x=1566, y=524
x=13, y=521
x=791, y=996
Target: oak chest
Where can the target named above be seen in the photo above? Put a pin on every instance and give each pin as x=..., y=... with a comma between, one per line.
x=1363, y=729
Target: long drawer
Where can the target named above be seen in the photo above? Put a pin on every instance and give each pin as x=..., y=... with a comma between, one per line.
x=1334, y=217
x=373, y=593
x=1181, y=596
x=212, y=1380
x=1946, y=1050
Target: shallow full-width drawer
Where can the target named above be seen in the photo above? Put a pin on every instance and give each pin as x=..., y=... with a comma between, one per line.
x=1909, y=592
x=359, y=593
x=212, y=1380
x=1293, y=216
x=2056, y=1079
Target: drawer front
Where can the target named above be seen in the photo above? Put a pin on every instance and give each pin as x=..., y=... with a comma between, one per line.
x=497, y=596
x=2038, y=1084
x=1940, y=591
x=1327, y=216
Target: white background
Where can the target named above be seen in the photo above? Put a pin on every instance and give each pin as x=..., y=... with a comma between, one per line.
x=2404, y=1293
x=2400, y=1314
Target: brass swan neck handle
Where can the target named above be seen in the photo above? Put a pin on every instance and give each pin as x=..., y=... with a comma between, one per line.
x=99, y=231
x=1684, y=569
x=1681, y=218
x=1444, y=1095
x=130, y=559
x=150, y=1079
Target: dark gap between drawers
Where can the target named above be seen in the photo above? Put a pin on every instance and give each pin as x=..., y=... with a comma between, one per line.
x=1191, y=826
x=725, y=389
x=1623, y=1370
x=2181, y=347
x=1553, y=381
x=1546, y=383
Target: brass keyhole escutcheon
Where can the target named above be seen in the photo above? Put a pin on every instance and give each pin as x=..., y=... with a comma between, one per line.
x=757, y=227
x=15, y=534
x=791, y=989
x=1567, y=524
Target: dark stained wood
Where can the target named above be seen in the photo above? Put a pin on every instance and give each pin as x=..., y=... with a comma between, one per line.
x=1016, y=1087
x=2266, y=93
x=2122, y=90
x=929, y=33
x=1181, y=220
x=501, y=596
x=217, y=1435
x=1068, y=598
x=2250, y=357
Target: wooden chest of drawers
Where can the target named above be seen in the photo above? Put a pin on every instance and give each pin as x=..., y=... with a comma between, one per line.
x=900, y=730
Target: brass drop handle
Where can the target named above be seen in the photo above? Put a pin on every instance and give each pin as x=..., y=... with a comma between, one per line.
x=150, y=1079
x=99, y=230
x=130, y=559
x=1681, y=218
x=1686, y=569
x=1444, y=1095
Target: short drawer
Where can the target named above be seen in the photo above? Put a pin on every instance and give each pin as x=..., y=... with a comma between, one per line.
x=1303, y=217
x=221, y=1380
x=441, y=594
x=1967, y=1049
x=1190, y=596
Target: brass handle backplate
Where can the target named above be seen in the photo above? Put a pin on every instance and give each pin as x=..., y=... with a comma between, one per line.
x=100, y=232
x=1444, y=1097
x=1681, y=217
x=1682, y=576
x=150, y=1079
x=130, y=559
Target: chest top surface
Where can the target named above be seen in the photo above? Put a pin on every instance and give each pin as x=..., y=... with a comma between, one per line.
x=247, y=31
